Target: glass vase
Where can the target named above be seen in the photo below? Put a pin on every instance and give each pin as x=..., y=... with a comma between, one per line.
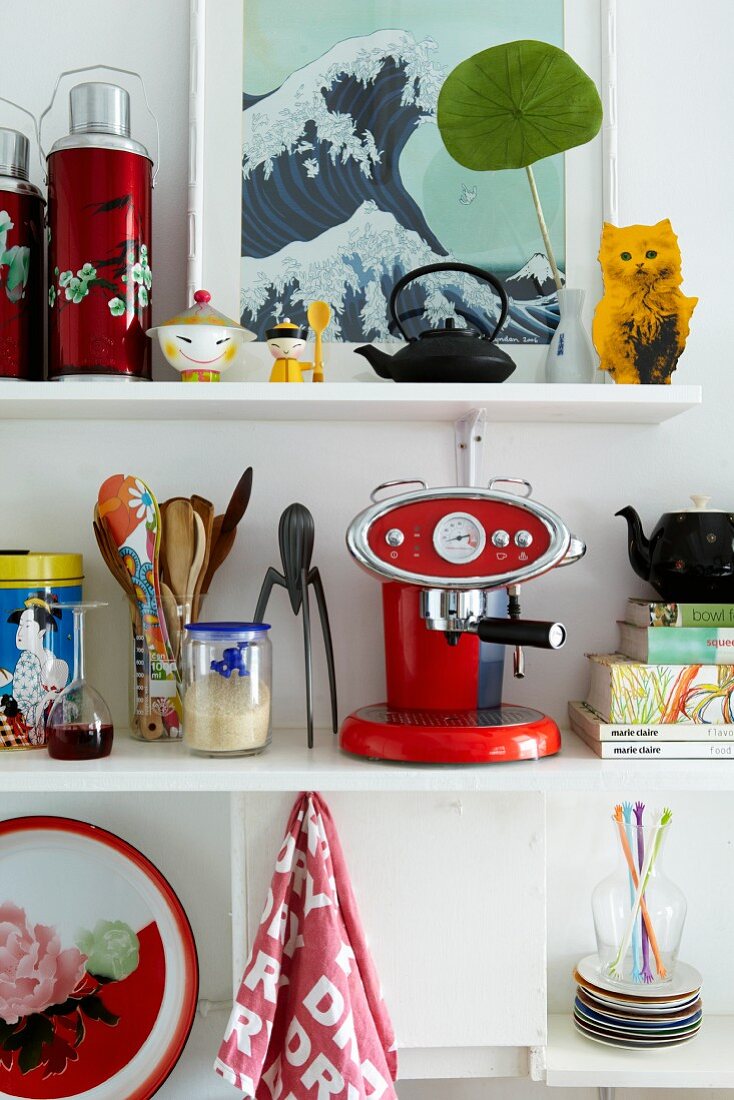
x=638, y=942
x=571, y=357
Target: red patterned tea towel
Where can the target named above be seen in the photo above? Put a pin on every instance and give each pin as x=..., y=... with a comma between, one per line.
x=309, y=1022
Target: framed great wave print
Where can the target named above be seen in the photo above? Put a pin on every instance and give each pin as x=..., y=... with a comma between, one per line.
x=318, y=172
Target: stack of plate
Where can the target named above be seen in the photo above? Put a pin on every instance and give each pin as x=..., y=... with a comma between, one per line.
x=637, y=1016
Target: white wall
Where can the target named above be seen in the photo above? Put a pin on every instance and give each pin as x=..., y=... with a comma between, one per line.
x=676, y=160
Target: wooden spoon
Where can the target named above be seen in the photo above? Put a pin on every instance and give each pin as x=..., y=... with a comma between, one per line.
x=111, y=558
x=196, y=566
x=220, y=548
x=319, y=315
x=177, y=546
x=205, y=509
x=170, y=612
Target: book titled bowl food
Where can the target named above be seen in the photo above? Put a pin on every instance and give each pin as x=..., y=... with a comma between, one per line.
x=656, y=613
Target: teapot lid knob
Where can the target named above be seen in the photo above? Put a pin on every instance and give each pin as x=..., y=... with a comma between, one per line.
x=700, y=501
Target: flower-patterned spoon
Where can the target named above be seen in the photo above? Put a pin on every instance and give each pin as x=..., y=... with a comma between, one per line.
x=129, y=511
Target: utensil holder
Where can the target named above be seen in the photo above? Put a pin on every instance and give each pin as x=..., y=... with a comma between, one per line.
x=152, y=716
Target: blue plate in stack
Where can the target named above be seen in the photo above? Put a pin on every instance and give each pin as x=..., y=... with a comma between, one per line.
x=635, y=1017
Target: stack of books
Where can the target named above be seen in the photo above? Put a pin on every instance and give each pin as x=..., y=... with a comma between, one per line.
x=668, y=691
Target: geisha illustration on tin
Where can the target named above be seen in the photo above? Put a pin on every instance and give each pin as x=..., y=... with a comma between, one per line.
x=39, y=675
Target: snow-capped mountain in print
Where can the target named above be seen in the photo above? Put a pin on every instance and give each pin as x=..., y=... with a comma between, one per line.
x=325, y=211
x=533, y=280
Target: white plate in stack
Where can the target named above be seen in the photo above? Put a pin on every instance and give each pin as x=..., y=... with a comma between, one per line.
x=659, y=1015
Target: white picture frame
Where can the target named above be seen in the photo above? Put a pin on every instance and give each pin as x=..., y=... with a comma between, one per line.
x=214, y=193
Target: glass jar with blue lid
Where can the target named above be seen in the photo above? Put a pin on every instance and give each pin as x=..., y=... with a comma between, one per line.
x=227, y=688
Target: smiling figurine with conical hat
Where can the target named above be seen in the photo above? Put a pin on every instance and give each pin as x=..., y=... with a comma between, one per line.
x=201, y=342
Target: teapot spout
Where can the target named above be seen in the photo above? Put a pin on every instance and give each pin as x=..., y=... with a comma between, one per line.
x=638, y=545
x=378, y=360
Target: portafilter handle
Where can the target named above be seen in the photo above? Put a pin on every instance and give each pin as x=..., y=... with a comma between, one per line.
x=520, y=632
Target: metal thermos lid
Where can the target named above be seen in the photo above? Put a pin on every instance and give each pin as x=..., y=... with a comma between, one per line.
x=14, y=154
x=97, y=108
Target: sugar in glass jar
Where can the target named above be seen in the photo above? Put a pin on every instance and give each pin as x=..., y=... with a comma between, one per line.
x=227, y=688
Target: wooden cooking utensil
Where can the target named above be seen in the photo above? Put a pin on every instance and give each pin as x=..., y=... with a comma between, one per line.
x=170, y=612
x=177, y=546
x=224, y=528
x=197, y=562
x=319, y=315
x=238, y=502
x=114, y=563
x=150, y=727
x=205, y=509
x=218, y=552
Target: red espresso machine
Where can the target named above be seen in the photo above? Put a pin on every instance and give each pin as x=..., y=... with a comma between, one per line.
x=443, y=555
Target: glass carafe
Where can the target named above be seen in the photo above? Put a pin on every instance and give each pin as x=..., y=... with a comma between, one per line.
x=639, y=949
x=79, y=725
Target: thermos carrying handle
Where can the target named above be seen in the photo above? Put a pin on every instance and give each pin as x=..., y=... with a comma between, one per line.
x=467, y=269
x=92, y=69
x=511, y=481
x=25, y=111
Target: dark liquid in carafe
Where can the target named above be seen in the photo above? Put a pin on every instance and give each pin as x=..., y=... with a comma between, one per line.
x=79, y=742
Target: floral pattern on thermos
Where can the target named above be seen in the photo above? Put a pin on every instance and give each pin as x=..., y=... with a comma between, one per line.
x=100, y=270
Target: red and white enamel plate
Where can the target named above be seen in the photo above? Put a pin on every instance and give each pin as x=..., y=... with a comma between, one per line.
x=98, y=970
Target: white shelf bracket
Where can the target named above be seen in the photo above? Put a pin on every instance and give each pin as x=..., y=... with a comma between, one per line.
x=469, y=435
x=536, y=1063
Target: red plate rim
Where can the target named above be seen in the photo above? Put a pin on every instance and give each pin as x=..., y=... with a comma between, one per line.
x=191, y=960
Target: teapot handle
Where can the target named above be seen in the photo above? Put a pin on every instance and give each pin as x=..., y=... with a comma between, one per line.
x=484, y=276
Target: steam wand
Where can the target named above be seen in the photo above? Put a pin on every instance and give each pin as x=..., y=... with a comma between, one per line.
x=513, y=611
x=513, y=631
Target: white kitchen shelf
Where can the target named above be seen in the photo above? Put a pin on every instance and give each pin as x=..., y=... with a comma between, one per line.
x=590, y=404
x=289, y=766
x=707, y=1062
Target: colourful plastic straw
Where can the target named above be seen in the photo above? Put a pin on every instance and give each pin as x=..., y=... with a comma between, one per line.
x=647, y=975
x=636, y=971
x=639, y=903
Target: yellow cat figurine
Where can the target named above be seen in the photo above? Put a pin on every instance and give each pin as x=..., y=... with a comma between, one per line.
x=641, y=324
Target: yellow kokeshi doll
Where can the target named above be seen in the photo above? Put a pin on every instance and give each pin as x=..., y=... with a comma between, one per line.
x=287, y=343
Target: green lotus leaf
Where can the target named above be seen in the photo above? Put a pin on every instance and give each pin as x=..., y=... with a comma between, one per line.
x=514, y=104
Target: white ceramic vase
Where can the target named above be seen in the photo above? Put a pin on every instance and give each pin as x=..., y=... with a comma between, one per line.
x=571, y=358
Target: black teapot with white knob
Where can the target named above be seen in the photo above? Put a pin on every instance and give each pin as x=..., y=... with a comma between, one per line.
x=689, y=557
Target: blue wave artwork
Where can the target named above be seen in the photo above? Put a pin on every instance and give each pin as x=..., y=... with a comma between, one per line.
x=346, y=185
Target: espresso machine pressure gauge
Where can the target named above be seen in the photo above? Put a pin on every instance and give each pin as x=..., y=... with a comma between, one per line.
x=459, y=537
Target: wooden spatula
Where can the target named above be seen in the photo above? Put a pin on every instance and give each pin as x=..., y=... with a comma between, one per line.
x=177, y=546
x=224, y=528
x=205, y=510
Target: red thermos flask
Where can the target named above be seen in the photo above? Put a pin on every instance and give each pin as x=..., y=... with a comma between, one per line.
x=99, y=264
x=21, y=263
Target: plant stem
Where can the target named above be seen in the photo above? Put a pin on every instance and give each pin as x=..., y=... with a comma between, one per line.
x=543, y=228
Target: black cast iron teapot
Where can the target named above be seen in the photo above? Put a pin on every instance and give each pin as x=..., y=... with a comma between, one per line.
x=445, y=354
x=689, y=558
